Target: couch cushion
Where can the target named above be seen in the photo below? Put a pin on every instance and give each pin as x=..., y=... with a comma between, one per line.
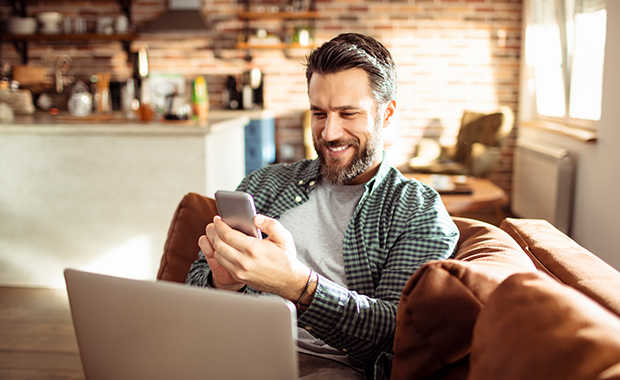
x=561, y=257
x=441, y=301
x=535, y=328
x=188, y=224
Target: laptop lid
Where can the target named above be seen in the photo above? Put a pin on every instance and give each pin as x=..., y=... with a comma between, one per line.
x=131, y=329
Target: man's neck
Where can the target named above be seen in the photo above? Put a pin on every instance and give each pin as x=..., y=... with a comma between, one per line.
x=367, y=174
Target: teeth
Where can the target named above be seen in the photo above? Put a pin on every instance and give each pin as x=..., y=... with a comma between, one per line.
x=338, y=149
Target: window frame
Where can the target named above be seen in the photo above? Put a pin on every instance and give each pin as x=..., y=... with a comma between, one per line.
x=567, y=57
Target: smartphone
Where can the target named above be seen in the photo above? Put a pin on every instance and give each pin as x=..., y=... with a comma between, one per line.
x=237, y=210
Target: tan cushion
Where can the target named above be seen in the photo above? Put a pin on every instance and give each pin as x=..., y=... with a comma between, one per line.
x=181, y=247
x=535, y=328
x=441, y=301
x=557, y=254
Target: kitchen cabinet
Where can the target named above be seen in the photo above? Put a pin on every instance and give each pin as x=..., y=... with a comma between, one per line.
x=22, y=41
x=260, y=141
x=259, y=135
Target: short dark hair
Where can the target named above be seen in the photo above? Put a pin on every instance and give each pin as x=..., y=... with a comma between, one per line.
x=353, y=50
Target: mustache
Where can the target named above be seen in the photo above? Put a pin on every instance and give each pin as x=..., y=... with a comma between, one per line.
x=321, y=143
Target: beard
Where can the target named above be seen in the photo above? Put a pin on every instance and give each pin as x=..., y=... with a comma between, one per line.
x=340, y=173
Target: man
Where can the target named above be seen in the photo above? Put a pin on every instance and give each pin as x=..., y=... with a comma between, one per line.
x=345, y=231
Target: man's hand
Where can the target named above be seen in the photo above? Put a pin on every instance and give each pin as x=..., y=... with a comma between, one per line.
x=221, y=278
x=268, y=265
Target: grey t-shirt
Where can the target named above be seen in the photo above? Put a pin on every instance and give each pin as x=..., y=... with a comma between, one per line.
x=318, y=227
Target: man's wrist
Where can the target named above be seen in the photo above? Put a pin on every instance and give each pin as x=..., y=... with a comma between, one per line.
x=304, y=301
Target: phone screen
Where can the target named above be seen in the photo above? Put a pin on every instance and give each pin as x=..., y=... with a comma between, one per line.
x=237, y=210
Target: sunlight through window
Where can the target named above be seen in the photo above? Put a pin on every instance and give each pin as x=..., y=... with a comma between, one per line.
x=587, y=70
x=565, y=47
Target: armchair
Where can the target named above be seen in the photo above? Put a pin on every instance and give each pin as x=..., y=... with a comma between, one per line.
x=477, y=149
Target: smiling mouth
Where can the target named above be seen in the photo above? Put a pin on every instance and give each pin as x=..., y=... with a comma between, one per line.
x=338, y=148
x=335, y=149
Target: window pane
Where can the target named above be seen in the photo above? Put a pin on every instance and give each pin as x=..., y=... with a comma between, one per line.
x=587, y=65
x=548, y=71
x=550, y=91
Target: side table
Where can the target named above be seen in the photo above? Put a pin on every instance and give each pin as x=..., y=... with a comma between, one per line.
x=485, y=195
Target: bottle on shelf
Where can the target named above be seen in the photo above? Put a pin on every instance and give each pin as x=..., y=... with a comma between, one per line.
x=200, y=99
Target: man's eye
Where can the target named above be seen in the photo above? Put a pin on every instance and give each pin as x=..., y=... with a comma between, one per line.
x=318, y=115
x=347, y=114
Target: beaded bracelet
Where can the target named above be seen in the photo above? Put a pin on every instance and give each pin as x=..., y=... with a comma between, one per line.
x=298, y=302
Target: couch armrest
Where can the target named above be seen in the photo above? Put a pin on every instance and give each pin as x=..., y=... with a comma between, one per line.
x=188, y=224
x=558, y=255
x=535, y=328
x=441, y=302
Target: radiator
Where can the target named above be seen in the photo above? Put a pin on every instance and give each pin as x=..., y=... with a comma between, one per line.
x=542, y=185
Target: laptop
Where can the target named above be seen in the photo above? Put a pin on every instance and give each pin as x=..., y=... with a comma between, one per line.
x=133, y=329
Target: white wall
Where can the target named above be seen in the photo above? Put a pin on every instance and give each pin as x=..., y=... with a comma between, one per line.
x=597, y=204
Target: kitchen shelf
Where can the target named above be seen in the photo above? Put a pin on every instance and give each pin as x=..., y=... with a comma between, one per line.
x=281, y=46
x=68, y=37
x=278, y=15
x=21, y=40
x=288, y=17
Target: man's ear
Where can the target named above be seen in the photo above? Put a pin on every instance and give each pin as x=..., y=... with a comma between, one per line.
x=389, y=113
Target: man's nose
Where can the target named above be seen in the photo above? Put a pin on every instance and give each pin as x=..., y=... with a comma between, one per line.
x=333, y=128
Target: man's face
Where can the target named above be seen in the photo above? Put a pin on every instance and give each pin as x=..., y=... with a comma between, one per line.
x=345, y=128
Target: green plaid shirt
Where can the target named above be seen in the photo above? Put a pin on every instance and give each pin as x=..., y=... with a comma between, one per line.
x=398, y=225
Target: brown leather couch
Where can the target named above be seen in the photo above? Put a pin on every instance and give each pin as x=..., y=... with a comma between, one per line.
x=522, y=302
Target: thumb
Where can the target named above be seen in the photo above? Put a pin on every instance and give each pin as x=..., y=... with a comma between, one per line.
x=277, y=233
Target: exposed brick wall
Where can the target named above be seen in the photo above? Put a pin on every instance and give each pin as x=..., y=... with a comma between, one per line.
x=451, y=55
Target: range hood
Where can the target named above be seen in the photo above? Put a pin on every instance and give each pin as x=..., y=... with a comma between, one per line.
x=181, y=17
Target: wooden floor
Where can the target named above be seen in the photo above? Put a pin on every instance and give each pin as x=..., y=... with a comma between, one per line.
x=37, y=340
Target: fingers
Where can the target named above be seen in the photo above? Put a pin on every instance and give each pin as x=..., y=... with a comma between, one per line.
x=269, y=265
x=205, y=245
x=210, y=240
x=206, y=241
x=226, y=242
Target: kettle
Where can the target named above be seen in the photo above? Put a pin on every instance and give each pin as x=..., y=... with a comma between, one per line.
x=80, y=103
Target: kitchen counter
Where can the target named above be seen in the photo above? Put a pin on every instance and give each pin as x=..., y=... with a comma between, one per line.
x=44, y=123
x=100, y=196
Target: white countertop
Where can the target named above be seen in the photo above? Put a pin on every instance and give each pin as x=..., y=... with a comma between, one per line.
x=42, y=123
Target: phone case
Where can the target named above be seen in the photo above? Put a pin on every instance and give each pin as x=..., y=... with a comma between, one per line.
x=237, y=210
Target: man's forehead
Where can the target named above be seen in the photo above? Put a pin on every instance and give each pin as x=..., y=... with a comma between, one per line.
x=344, y=89
x=355, y=73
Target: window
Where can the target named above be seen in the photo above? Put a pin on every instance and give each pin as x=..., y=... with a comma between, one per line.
x=564, y=52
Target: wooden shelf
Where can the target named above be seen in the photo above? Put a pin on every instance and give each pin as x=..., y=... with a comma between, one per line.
x=68, y=37
x=21, y=41
x=280, y=46
x=278, y=15
x=288, y=19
